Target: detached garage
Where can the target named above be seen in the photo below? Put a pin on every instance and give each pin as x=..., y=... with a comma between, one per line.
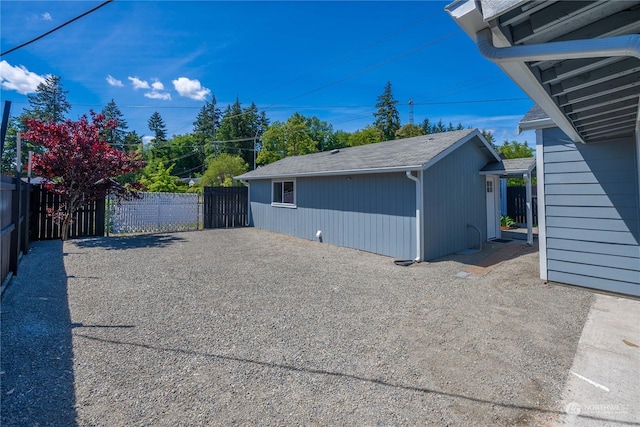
x=417, y=198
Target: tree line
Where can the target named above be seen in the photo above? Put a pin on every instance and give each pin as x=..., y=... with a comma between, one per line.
x=224, y=142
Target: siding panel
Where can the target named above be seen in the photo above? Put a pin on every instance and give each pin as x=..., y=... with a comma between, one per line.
x=629, y=276
x=581, y=246
x=612, y=261
x=347, y=209
x=592, y=213
x=454, y=197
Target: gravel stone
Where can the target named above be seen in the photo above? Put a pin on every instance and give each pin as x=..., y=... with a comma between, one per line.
x=248, y=327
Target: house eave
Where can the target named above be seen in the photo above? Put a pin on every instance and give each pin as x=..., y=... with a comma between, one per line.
x=536, y=124
x=343, y=172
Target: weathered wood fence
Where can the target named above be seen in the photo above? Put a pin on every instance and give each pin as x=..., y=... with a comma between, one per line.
x=225, y=207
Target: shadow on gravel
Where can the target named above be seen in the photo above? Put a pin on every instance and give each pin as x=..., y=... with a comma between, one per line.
x=37, y=378
x=492, y=254
x=454, y=396
x=129, y=242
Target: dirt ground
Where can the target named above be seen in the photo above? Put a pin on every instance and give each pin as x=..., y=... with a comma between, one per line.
x=247, y=327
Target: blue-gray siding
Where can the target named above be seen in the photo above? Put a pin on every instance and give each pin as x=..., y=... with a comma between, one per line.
x=592, y=214
x=373, y=212
x=454, y=197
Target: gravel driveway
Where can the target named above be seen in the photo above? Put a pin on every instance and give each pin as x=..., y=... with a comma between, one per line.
x=247, y=327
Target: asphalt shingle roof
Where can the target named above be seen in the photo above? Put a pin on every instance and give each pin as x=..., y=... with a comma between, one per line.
x=511, y=166
x=535, y=113
x=407, y=153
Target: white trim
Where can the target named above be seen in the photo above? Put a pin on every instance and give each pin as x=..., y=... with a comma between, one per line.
x=419, y=215
x=529, y=204
x=333, y=173
x=542, y=219
x=536, y=124
x=451, y=148
x=295, y=194
x=495, y=189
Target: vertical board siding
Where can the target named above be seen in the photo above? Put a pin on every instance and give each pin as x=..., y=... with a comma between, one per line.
x=374, y=213
x=454, y=197
x=592, y=213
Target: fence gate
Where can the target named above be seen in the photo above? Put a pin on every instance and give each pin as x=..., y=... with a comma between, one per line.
x=154, y=212
x=517, y=204
x=225, y=207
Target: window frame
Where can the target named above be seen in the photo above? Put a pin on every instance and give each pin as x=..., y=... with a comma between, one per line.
x=284, y=204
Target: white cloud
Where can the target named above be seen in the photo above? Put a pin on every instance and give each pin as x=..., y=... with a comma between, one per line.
x=46, y=16
x=157, y=85
x=113, y=81
x=157, y=88
x=139, y=84
x=190, y=88
x=165, y=96
x=19, y=78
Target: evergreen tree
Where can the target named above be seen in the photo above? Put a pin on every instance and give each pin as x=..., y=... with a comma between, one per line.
x=240, y=129
x=116, y=136
x=160, y=150
x=49, y=102
x=387, y=116
x=133, y=143
x=157, y=126
x=205, y=128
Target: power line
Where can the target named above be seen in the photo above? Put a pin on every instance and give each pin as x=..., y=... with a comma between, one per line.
x=55, y=29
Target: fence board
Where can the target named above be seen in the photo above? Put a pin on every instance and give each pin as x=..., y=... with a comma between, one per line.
x=517, y=204
x=225, y=207
x=88, y=221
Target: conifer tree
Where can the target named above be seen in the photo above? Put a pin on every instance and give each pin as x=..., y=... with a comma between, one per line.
x=387, y=116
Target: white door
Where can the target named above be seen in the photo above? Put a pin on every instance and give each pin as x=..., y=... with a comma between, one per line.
x=492, y=192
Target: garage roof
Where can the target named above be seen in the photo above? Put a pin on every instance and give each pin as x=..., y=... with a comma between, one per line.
x=415, y=153
x=591, y=98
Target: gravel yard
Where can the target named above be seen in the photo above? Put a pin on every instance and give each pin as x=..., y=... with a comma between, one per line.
x=247, y=327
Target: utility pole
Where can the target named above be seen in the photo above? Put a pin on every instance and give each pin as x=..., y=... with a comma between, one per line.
x=411, y=111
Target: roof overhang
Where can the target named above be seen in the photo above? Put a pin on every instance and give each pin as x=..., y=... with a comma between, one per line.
x=579, y=61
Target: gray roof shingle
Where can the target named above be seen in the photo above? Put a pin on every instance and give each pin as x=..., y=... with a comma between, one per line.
x=410, y=153
x=511, y=166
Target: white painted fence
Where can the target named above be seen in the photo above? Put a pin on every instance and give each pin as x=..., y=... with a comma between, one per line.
x=154, y=212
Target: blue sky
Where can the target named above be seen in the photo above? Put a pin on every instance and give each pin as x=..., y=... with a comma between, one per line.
x=328, y=59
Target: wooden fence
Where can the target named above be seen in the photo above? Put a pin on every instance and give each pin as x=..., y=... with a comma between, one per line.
x=517, y=204
x=14, y=223
x=88, y=221
x=225, y=207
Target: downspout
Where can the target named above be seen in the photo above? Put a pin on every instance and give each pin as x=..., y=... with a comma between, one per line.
x=628, y=45
x=419, y=210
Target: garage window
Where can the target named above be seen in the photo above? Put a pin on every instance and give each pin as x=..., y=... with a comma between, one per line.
x=283, y=193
